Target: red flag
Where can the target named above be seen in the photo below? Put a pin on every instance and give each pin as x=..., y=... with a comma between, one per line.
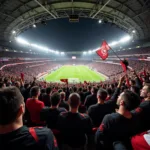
x=22, y=76
x=105, y=46
x=64, y=80
x=124, y=67
x=103, y=51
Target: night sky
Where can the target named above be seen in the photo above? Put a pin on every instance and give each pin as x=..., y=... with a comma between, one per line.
x=62, y=35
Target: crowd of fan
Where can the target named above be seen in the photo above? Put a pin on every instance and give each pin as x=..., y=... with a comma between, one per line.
x=106, y=69
x=48, y=116
x=27, y=69
x=134, y=51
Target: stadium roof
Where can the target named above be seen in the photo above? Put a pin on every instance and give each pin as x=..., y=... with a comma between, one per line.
x=20, y=15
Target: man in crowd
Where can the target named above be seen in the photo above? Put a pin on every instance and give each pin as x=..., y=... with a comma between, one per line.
x=50, y=114
x=34, y=106
x=13, y=135
x=63, y=103
x=73, y=125
x=143, y=110
x=2, y=85
x=88, y=91
x=91, y=99
x=103, y=107
x=120, y=125
x=46, y=97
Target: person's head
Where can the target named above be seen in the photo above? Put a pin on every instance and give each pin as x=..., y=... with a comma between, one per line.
x=112, y=86
x=132, y=82
x=35, y=91
x=62, y=95
x=128, y=100
x=145, y=92
x=60, y=90
x=11, y=106
x=43, y=91
x=101, y=94
x=80, y=89
x=74, y=89
x=17, y=84
x=94, y=90
x=109, y=91
x=74, y=100
x=55, y=99
x=135, y=89
x=2, y=85
x=89, y=88
x=26, y=85
x=48, y=90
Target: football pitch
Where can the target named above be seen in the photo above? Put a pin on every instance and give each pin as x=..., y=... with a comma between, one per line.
x=74, y=74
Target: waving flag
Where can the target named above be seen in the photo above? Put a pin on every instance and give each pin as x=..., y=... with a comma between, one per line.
x=103, y=51
x=64, y=80
x=22, y=76
x=124, y=63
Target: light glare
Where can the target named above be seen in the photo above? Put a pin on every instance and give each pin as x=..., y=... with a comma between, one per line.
x=100, y=21
x=34, y=25
x=125, y=39
x=13, y=31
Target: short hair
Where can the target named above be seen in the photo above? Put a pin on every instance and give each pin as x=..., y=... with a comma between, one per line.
x=89, y=87
x=131, y=100
x=102, y=94
x=80, y=89
x=109, y=91
x=10, y=101
x=133, y=82
x=34, y=91
x=1, y=84
x=74, y=89
x=43, y=91
x=94, y=90
x=60, y=90
x=62, y=95
x=48, y=90
x=26, y=85
x=74, y=100
x=55, y=99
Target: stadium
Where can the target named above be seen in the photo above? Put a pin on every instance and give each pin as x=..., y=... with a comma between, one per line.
x=75, y=75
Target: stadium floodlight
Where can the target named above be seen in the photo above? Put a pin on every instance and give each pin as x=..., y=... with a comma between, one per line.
x=22, y=41
x=133, y=31
x=84, y=52
x=52, y=51
x=34, y=45
x=113, y=43
x=90, y=52
x=62, y=53
x=100, y=21
x=56, y=52
x=13, y=32
x=125, y=39
x=34, y=25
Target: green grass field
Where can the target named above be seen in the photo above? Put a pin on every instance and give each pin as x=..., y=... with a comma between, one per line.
x=74, y=74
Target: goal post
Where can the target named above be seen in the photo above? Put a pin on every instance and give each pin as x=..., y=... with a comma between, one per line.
x=73, y=80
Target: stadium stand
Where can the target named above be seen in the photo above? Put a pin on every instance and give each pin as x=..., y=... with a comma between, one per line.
x=113, y=114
